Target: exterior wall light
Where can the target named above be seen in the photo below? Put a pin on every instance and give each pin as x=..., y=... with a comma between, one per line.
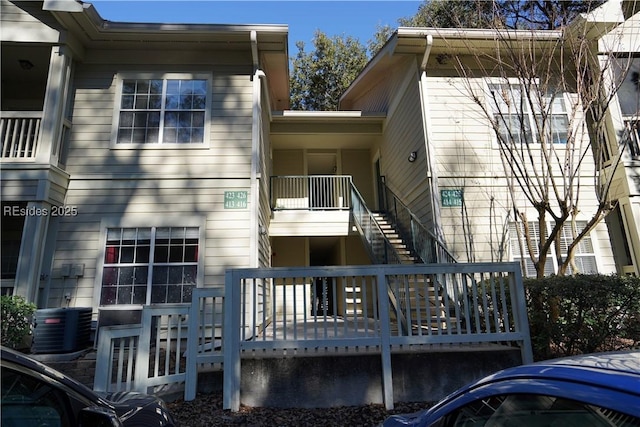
x=412, y=156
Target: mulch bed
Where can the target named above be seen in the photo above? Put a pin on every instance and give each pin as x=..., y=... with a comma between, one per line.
x=206, y=410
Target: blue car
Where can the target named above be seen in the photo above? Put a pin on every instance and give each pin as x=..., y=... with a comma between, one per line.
x=585, y=391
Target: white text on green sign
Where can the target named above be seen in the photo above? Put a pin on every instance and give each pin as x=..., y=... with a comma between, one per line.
x=450, y=198
x=235, y=199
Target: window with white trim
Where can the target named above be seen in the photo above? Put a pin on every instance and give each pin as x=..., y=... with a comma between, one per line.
x=521, y=117
x=584, y=255
x=151, y=265
x=162, y=111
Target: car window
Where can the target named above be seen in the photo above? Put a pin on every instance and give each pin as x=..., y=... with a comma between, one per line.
x=532, y=410
x=28, y=401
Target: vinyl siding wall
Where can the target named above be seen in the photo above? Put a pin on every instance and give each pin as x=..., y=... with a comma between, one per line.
x=28, y=23
x=152, y=186
x=468, y=159
x=264, y=215
x=403, y=134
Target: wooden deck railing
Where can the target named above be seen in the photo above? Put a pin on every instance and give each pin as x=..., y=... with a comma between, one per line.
x=149, y=354
x=321, y=310
x=19, y=132
x=304, y=311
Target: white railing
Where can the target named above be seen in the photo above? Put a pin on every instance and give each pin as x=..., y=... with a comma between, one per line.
x=19, y=132
x=352, y=310
x=151, y=354
x=310, y=192
x=205, y=341
x=303, y=311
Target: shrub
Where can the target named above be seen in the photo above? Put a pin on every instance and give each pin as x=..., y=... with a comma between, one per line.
x=583, y=314
x=16, y=319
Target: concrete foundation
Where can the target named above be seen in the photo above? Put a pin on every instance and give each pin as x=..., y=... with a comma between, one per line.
x=329, y=381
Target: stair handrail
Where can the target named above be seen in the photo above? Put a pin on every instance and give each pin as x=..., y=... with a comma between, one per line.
x=376, y=242
x=434, y=251
x=372, y=236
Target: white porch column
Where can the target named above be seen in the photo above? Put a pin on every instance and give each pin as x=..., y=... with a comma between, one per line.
x=55, y=102
x=32, y=246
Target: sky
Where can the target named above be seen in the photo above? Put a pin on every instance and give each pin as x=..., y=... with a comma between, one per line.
x=357, y=18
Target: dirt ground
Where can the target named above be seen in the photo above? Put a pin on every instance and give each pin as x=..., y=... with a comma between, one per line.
x=206, y=410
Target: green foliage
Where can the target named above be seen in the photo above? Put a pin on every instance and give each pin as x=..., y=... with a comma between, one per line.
x=583, y=314
x=521, y=14
x=16, y=319
x=380, y=37
x=321, y=76
x=451, y=14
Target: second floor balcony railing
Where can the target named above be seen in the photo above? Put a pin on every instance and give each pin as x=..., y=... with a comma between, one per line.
x=19, y=132
x=311, y=192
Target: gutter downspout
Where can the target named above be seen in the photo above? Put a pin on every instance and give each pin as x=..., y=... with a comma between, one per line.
x=256, y=139
x=432, y=174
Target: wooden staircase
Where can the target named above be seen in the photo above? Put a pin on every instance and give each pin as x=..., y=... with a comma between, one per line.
x=401, y=248
x=427, y=312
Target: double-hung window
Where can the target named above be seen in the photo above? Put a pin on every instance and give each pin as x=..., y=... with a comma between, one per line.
x=584, y=256
x=149, y=265
x=162, y=111
x=523, y=117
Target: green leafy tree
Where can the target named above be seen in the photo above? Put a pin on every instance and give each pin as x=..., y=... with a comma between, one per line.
x=380, y=37
x=319, y=77
x=543, y=14
x=451, y=14
x=521, y=14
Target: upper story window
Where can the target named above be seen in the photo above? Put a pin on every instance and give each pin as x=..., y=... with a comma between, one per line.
x=163, y=110
x=527, y=117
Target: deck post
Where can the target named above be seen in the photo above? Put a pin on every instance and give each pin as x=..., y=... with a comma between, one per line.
x=231, y=347
x=385, y=339
x=520, y=313
x=191, y=380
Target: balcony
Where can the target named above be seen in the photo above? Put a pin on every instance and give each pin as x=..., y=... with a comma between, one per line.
x=314, y=205
x=20, y=131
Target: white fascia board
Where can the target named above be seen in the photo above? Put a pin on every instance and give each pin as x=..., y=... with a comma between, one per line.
x=63, y=6
x=477, y=33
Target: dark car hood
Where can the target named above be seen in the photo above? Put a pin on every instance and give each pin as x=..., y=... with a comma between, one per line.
x=136, y=409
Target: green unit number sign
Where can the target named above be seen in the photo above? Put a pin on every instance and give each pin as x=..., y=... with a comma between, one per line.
x=235, y=199
x=451, y=198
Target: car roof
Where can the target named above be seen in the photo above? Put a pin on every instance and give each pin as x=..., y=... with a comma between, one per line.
x=615, y=370
x=621, y=361
x=17, y=358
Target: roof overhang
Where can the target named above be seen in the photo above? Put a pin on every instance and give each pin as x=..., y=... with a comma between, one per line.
x=90, y=31
x=415, y=41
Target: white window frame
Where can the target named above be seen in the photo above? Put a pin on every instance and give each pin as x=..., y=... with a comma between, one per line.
x=140, y=222
x=586, y=248
x=530, y=115
x=119, y=82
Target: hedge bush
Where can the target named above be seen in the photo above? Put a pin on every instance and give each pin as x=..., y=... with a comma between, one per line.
x=17, y=316
x=583, y=314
